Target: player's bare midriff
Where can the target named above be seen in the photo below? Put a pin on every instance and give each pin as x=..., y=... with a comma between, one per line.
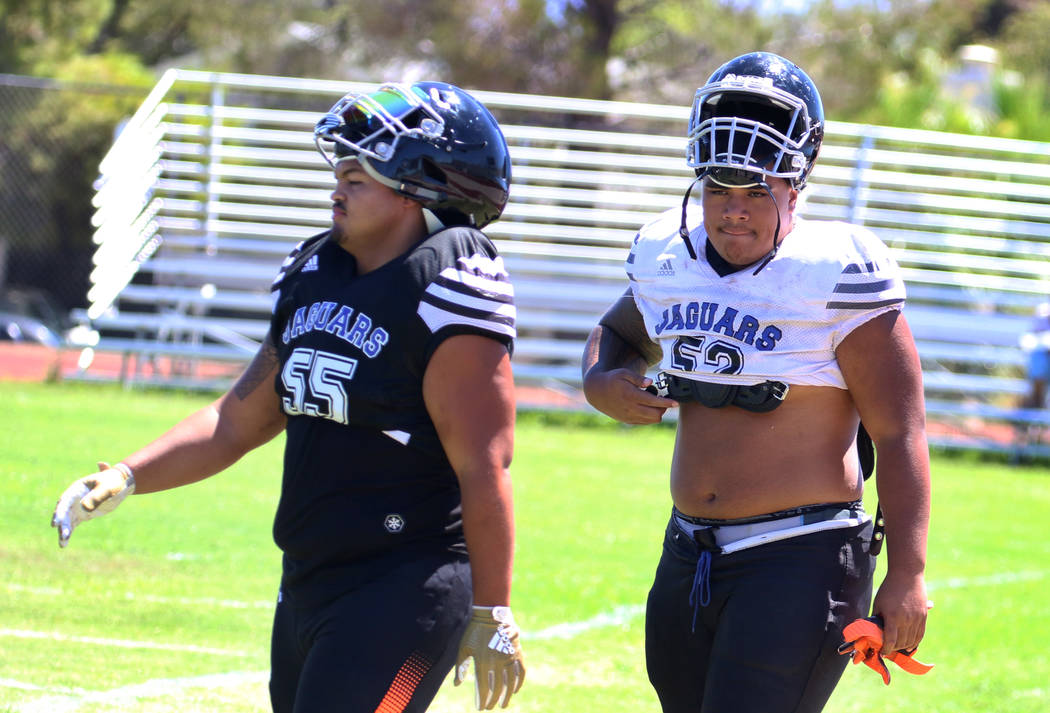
x=730, y=463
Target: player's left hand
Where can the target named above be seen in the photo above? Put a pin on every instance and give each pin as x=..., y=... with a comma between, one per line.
x=863, y=642
x=491, y=639
x=91, y=496
x=901, y=602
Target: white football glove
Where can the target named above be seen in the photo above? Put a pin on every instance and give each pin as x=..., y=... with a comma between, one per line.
x=92, y=496
x=491, y=639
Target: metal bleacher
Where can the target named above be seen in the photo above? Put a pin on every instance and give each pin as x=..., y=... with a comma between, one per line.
x=216, y=177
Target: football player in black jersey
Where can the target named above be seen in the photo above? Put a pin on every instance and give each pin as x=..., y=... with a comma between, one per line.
x=775, y=335
x=387, y=365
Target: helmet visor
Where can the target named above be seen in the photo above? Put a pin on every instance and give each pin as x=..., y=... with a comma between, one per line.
x=743, y=124
x=372, y=124
x=746, y=146
x=735, y=177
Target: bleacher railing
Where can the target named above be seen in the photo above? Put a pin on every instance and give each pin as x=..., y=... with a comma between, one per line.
x=215, y=177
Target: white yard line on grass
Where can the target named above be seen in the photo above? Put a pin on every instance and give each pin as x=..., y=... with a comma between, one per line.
x=611, y=618
x=207, y=602
x=986, y=581
x=23, y=686
x=69, y=703
x=619, y=616
x=123, y=643
x=71, y=700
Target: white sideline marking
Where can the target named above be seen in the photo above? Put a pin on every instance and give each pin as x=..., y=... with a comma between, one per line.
x=617, y=617
x=22, y=686
x=122, y=643
x=988, y=580
x=149, y=689
x=606, y=619
x=69, y=700
x=623, y=614
x=209, y=602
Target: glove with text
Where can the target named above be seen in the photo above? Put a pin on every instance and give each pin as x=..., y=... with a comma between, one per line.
x=91, y=496
x=863, y=641
x=491, y=639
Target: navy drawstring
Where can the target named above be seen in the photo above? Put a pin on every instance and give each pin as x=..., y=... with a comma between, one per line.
x=700, y=596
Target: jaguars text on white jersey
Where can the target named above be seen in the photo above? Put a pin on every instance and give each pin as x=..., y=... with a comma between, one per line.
x=783, y=323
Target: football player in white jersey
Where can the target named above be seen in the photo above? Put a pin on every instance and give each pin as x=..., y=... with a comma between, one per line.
x=387, y=365
x=775, y=337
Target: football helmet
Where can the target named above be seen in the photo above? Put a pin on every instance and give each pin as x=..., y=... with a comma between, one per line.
x=758, y=115
x=429, y=141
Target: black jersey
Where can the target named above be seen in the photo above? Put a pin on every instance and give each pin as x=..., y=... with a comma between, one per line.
x=364, y=471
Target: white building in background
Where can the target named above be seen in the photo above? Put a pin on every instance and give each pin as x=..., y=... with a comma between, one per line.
x=974, y=81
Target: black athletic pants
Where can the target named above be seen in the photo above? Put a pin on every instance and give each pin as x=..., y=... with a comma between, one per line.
x=766, y=640
x=384, y=647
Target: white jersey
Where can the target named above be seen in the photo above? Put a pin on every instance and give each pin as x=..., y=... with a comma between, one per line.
x=782, y=324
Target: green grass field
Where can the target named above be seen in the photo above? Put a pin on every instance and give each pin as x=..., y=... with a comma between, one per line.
x=166, y=604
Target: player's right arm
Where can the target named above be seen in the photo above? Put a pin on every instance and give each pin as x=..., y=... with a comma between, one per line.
x=202, y=444
x=617, y=354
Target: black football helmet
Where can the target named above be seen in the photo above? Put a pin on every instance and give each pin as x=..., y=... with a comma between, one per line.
x=430, y=141
x=758, y=115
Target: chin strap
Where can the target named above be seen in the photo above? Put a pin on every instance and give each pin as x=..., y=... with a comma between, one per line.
x=776, y=234
x=683, y=230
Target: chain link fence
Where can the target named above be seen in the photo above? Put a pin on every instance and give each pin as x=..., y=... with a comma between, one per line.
x=52, y=136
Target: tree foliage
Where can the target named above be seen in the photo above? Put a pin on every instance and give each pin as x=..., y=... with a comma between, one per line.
x=876, y=61
x=659, y=52
x=53, y=139
x=646, y=50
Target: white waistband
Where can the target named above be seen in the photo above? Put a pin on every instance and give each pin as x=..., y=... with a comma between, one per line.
x=733, y=538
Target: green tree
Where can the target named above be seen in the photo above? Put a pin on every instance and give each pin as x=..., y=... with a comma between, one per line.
x=49, y=159
x=508, y=45
x=645, y=50
x=45, y=32
x=665, y=50
x=1023, y=40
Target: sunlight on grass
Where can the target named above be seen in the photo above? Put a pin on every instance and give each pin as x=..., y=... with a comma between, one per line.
x=182, y=583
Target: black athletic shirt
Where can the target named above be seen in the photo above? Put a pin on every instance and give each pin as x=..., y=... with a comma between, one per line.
x=364, y=471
